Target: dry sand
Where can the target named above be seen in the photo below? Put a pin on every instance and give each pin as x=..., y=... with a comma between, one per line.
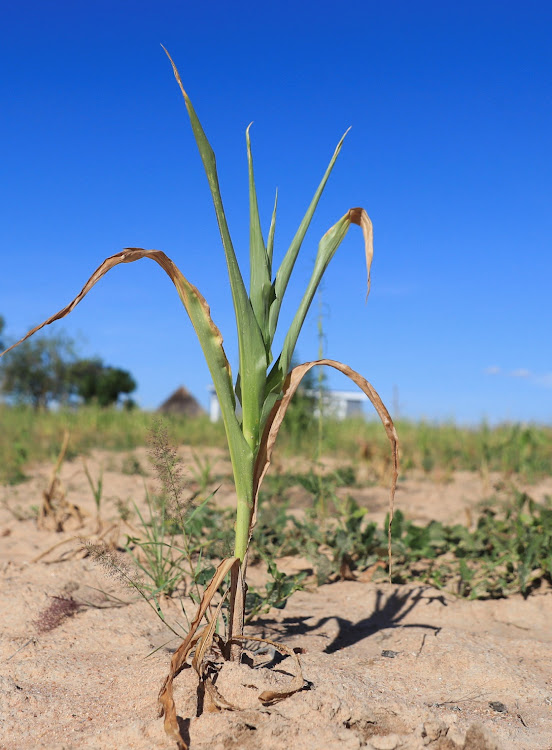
x=385, y=666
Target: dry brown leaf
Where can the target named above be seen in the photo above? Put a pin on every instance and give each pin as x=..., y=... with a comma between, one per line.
x=345, y=572
x=218, y=701
x=298, y=682
x=56, y=511
x=276, y=416
x=237, y=607
x=129, y=255
x=360, y=217
x=367, y=575
x=268, y=697
x=206, y=640
x=167, y=706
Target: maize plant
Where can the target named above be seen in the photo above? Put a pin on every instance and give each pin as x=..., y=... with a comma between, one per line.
x=264, y=385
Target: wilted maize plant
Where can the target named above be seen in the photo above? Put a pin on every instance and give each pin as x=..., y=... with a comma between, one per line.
x=264, y=385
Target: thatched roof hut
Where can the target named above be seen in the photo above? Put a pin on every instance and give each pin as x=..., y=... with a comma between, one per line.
x=182, y=403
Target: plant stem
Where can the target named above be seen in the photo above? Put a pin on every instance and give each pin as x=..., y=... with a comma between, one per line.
x=244, y=489
x=237, y=610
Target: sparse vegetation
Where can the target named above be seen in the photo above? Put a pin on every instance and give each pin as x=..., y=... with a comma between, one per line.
x=131, y=465
x=511, y=449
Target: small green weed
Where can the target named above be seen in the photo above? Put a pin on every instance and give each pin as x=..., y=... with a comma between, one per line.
x=160, y=561
x=202, y=472
x=509, y=550
x=97, y=490
x=277, y=591
x=131, y=466
x=182, y=537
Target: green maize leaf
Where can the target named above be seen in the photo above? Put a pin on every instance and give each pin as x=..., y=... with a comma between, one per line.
x=260, y=283
x=270, y=252
x=271, y=231
x=252, y=353
x=326, y=250
x=286, y=267
x=209, y=337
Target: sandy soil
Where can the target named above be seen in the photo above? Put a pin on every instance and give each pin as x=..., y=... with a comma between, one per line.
x=385, y=666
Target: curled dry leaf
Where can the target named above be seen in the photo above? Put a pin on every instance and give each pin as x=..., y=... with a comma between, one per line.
x=167, y=706
x=202, y=643
x=128, y=255
x=276, y=417
x=206, y=639
x=267, y=697
x=360, y=217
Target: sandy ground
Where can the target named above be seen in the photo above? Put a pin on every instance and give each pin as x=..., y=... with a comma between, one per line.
x=385, y=666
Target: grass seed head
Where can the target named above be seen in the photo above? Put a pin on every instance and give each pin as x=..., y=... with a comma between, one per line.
x=114, y=564
x=59, y=610
x=168, y=468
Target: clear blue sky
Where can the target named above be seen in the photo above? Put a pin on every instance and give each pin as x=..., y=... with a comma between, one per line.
x=450, y=153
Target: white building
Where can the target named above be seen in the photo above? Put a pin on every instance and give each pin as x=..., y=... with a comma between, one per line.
x=336, y=404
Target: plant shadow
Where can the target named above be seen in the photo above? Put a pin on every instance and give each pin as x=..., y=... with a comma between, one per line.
x=389, y=612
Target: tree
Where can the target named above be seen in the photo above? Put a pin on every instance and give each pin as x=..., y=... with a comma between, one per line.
x=37, y=372
x=46, y=369
x=97, y=383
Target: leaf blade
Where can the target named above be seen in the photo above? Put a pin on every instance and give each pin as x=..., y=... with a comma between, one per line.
x=252, y=351
x=209, y=336
x=260, y=285
x=327, y=248
x=286, y=267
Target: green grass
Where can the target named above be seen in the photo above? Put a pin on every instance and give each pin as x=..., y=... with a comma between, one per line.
x=28, y=436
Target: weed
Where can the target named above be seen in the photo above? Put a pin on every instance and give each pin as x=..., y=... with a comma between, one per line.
x=157, y=559
x=277, y=591
x=132, y=466
x=511, y=449
x=202, y=472
x=97, y=491
x=509, y=551
x=123, y=509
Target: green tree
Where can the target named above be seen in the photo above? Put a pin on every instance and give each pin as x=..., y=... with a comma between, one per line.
x=95, y=382
x=37, y=372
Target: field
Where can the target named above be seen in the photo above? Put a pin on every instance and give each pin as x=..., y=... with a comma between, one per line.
x=453, y=653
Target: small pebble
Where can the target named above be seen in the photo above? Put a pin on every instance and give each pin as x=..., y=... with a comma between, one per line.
x=389, y=654
x=498, y=706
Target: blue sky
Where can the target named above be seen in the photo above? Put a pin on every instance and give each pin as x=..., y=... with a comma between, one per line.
x=450, y=153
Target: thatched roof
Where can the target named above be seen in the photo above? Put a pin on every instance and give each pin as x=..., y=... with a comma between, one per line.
x=181, y=402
